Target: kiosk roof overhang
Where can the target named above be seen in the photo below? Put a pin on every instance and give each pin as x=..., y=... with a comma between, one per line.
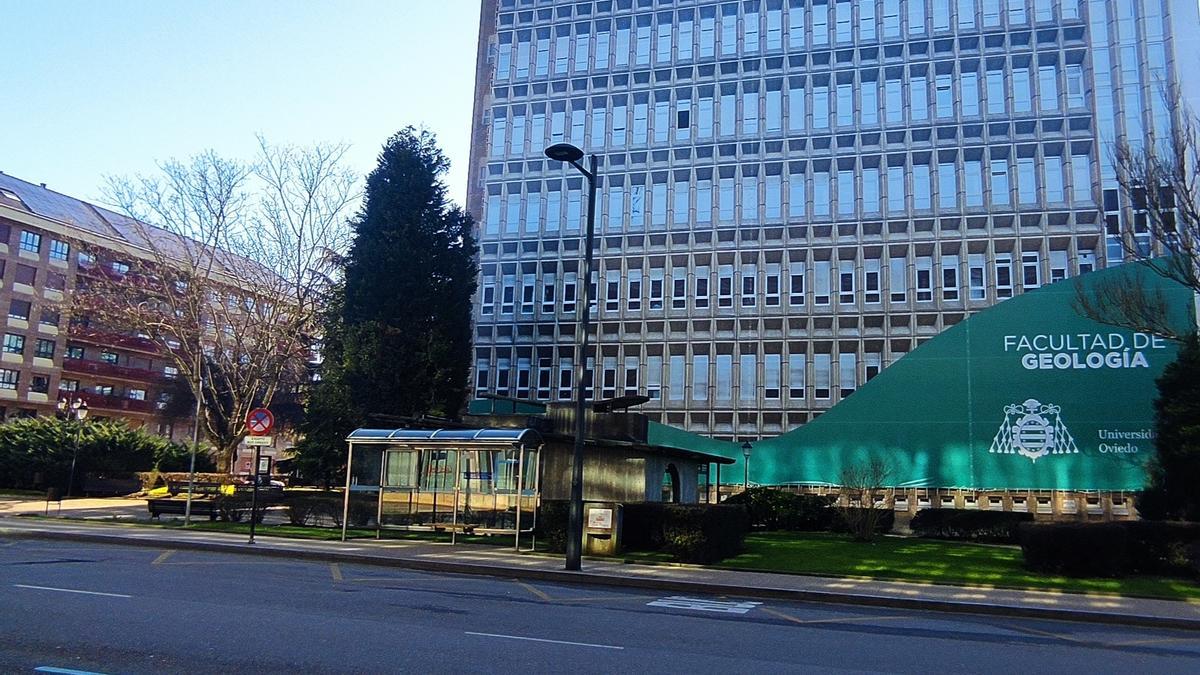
x=431, y=437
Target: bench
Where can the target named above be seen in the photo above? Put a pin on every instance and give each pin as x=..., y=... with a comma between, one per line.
x=200, y=507
x=176, y=487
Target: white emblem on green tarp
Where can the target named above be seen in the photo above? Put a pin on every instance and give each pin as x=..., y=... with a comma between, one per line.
x=1033, y=429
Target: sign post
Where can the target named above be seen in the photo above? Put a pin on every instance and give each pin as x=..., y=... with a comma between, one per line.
x=259, y=423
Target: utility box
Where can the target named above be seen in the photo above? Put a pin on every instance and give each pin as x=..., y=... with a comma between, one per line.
x=601, y=528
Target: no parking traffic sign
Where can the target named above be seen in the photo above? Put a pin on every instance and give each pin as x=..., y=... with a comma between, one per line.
x=259, y=422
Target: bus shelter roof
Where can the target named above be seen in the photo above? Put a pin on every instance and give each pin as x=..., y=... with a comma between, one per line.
x=431, y=437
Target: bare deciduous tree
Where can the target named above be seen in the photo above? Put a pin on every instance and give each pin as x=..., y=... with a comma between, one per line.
x=860, y=483
x=228, y=269
x=1160, y=184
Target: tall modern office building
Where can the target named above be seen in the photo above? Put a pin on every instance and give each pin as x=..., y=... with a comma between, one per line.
x=794, y=193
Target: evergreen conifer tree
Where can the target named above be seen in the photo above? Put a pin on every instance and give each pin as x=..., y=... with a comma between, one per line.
x=1175, y=471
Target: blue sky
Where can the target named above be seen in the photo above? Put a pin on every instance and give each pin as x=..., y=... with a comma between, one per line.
x=97, y=88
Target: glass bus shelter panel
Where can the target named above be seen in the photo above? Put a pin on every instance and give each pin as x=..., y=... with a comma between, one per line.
x=364, y=469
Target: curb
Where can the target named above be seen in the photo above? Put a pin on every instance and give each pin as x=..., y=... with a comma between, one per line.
x=564, y=576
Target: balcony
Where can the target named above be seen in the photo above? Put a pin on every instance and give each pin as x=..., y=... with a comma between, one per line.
x=106, y=339
x=102, y=369
x=100, y=402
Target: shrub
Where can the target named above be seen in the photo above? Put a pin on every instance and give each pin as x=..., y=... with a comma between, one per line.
x=704, y=533
x=972, y=524
x=774, y=509
x=1162, y=547
x=236, y=508
x=552, y=524
x=1075, y=549
x=642, y=526
x=850, y=519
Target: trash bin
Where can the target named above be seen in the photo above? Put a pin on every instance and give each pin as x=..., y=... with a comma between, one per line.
x=602, y=529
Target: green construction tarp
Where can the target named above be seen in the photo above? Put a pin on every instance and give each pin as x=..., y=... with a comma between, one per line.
x=1027, y=394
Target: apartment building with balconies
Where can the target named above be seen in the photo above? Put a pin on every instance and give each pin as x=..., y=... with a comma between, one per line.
x=47, y=243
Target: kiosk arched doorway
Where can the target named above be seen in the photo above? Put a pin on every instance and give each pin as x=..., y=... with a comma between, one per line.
x=670, y=486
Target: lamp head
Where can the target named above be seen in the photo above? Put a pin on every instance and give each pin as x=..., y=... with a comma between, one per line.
x=746, y=448
x=564, y=152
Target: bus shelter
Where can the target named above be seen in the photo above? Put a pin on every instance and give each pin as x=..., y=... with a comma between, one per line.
x=462, y=480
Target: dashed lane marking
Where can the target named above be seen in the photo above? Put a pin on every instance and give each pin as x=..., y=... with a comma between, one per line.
x=72, y=590
x=703, y=605
x=162, y=558
x=336, y=570
x=533, y=639
x=64, y=671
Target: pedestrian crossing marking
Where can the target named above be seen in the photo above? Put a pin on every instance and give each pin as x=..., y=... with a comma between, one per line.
x=704, y=605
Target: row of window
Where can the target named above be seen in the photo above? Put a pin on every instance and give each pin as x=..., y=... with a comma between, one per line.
x=749, y=28
x=845, y=187
x=28, y=275
x=823, y=282
x=21, y=310
x=31, y=242
x=11, y=379
x=721, y=377
x=14, y=343
x=135, y=394
x=909, y=96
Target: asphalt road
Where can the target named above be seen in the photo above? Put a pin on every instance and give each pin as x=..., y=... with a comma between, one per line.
x=113, y=609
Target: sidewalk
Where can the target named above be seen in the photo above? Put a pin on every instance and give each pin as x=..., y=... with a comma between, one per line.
x=505, y=563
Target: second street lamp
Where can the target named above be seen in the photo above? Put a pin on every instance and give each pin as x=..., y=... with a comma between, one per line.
x=565, y=152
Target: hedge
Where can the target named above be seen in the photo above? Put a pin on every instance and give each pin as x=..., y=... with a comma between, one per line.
x=841, y=520
x=1113, y=549
x=773, y=509
x=971, y=524
x=1075, y=549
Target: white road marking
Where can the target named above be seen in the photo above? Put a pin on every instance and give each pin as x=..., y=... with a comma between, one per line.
x=64, y=671
x=703, y=605
x=72, y=590
x=532, y=639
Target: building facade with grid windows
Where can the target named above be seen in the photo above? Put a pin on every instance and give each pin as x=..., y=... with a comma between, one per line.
x=793, y=194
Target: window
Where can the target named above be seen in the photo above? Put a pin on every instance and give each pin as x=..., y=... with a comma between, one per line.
x=171, y=372
x=1026, y=181
x=771, y=295
x=1000, y=190
x=944, y=100
x=871, y=270
x=9, y=379
x=796, y=376
x=109, y=357
x=749, y=285
x=725, y=286
x=847, y=374
x=699, y=378
x=119, y=267
x=897, y=278
x=19, y=309
x=678, y=288
x=1048, y=87
x=1055, y=180
x=656, y=289
x=822, y=270
x=68, y=385
x=949, y=277
x=677, y=378
x=822, y=375
x=631, y=376
x=25, y=275
x=924, y=269
x=1022, y=91
x=846, y=282
x=1031, y=270
x=702, y=287
x=44, y=349
x=74, y=352
x=1058, y=266
x=977, y=276
x=947, y=186
x=796, y=285
x=39, y=384
x=1004, y=280
x=137, y=394
x=633, y=297
x=724, y=377
x=59, y=250
x=31, y=242
x=14, y=344
x=612, y=291
x=654, y=366
x=973, y=182
x=748, y=377
x=771, y=374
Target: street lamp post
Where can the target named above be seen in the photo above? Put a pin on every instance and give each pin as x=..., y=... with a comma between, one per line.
x=565, y=152
x=79, y=410
x=746, y=449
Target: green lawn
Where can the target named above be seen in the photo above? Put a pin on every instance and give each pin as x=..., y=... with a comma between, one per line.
x=334, y=533
x=930, y=561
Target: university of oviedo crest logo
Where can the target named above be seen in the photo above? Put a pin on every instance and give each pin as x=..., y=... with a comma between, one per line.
x=1033, y=429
